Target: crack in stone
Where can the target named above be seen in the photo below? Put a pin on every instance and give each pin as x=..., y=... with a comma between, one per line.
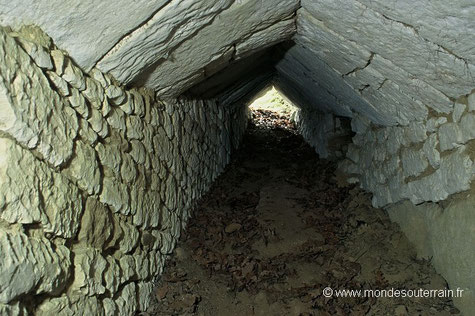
x=366, y=86
x=169, y=53
x=382, y=83
x=445, y=49
x=370, y=59
x=256, y=30
x=403, y=23
x=289, y=17
x=129, y=33
x=416, y=31
x=170, y=35
x=397, y=65
x=448, y=51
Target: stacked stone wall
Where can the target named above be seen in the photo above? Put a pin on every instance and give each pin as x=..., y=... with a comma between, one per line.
x=423, y=161
x=96, y=181
x=327, y=133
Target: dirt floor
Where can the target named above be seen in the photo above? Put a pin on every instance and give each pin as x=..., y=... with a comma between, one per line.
x=276, y=230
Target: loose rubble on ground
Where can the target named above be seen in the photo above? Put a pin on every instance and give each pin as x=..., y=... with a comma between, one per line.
x=277, y=228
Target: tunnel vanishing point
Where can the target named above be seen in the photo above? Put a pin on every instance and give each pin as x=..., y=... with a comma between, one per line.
x=116, y=116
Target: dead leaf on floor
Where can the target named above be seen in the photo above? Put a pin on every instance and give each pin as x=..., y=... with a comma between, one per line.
x=162, y=292
x=231, y=228
x=349, y=244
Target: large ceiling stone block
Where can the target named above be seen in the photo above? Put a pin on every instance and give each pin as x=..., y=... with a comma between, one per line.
x=393, y=61
x=398, y=42
x=185, y=64
x=87, y=29
x=450, y=24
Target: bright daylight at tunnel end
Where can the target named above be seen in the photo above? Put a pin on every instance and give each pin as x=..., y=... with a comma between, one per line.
x=225, y=157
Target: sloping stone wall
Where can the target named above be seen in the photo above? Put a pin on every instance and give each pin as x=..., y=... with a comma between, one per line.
x=168, y=45
x=96, y=181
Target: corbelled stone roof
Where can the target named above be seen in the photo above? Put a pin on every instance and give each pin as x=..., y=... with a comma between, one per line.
x=393, y=61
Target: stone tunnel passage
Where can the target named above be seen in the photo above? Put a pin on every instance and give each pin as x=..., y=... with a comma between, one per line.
x=277, y=228
x=116, y=118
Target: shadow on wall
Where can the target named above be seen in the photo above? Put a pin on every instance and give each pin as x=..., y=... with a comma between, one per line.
x=444, y=234
x=245, y=77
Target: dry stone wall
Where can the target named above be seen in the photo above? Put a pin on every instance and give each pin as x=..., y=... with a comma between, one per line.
x=96, y=181
x=424, y=161
x=423, y=173
x=328, y=134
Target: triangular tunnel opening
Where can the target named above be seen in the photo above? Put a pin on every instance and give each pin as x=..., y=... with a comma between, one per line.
x=271, y=99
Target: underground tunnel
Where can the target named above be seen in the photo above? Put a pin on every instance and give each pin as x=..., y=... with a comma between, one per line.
x=131, y=174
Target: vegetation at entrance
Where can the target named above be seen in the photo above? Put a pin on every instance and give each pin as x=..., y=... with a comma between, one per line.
x=273, y=101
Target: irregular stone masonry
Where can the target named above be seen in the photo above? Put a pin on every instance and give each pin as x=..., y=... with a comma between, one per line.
x=413, y=114
x=96, y=181
x=321, y=131
x=424, y=161
x=82, y=153
x=428, y=160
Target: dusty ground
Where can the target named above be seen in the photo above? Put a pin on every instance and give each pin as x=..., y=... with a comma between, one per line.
x=276, y=229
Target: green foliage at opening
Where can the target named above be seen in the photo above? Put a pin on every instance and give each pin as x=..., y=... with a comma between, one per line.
x=273, y=101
